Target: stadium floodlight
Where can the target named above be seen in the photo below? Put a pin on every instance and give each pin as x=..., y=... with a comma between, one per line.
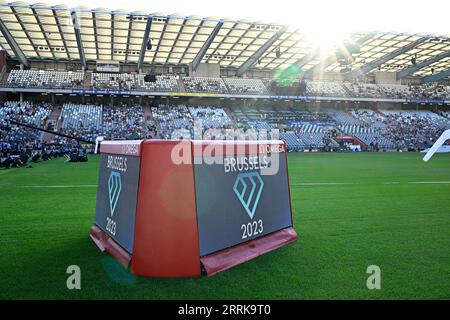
x=444, y=137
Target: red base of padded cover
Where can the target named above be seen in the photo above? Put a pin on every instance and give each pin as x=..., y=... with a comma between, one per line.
x=213, y=263
x=225, y=259
x=105, y=243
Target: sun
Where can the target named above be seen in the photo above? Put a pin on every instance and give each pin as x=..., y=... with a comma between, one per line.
x=325, y=37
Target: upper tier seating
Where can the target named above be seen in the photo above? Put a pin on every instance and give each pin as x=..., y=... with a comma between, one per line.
x=394, y=91
x=135, y=82
x=363, y=90
x=434, y=91
x=207, y=85
x=162, y=84
x=45, y=79
x=112, y=81
x=325, y=89
x=246, y=86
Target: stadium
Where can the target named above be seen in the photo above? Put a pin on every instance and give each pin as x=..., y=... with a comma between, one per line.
x=355, y=119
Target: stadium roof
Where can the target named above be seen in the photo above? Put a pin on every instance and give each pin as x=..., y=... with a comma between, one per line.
x=45, y=32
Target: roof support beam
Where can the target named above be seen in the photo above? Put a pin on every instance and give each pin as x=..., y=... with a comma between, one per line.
x=13, y=44
x=200, y=25
x=378, y=62
x=38, y=20
x=248, y=45
x=423, y=64
x=180, y=32
x=76, y=27
x=61, y=34
x=288, y=49
x=166, y=23
x=130, y=25
x=198, y=58
x=145, y=40
x=233, y=46
x=94, y=27
x=112, y=36
x=223, y=41
x=258, y=53
x=27, y=37
x=436, y=77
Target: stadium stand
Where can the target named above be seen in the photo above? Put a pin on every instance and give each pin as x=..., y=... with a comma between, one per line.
x=300, y=128
x=210, y=117
x=364, y=90
x=44, y=79
x=112, y=81
x=208, y=85
x=371, y=118
x=264, y=97
x=430, y=91
x=123, y=122
x=393, y=91
x=124, y=81
x=344, y=118
x=27, y=113
x=325, y=89
x=293, y=141
x=444, y=114
x=246, y=86
x=163, y=83
x=83, y=121
x=169, y=118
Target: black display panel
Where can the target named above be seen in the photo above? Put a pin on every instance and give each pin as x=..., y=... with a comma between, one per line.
x=235, y=206
x=117, y=197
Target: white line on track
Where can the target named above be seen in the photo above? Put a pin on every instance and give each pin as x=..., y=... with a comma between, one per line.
x=353, y=183
x=322, y=184
x=430, y=182
x=65, y=186
x=292, y=184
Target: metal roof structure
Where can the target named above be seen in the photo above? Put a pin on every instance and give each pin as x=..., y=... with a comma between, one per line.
x=44, y=32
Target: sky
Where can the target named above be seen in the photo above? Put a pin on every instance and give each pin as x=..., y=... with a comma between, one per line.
x=318, y=17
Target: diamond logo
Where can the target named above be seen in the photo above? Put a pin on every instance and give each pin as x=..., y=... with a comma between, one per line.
x=248, y=188
x=114, y=188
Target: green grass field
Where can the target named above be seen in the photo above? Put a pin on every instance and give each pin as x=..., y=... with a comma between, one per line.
x=350, y=210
